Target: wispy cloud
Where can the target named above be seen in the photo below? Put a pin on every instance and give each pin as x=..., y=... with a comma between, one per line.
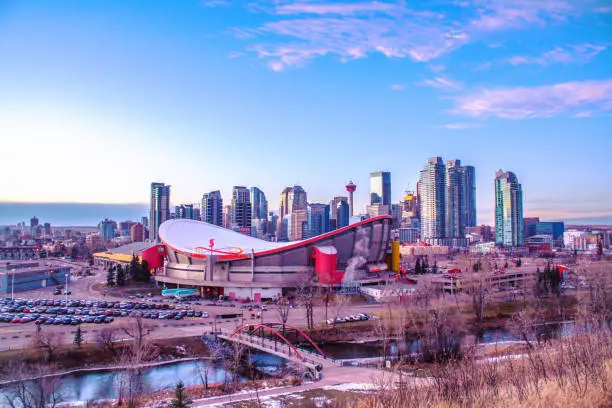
x=442, y=83
x=561, y=55
x=461, y=125
x=398, y=87
x=338, y=8
x=215, y=3
x=568, y=98
x=503, y=14
x=303, y=30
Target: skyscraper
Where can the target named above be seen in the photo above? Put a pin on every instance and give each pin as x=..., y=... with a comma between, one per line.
x=350, y=188
x=184, y=211
x=508, y=210
x=318, y=219
x=432, y=189
x=342, y=214
x=107, y=228
x=380, y=188
x=259, y=204
x=284, y=208
x=241, y=207
x=460, y=198
x=454, y=198
x=468, y=213
x=160, y=208
x=333, y=212
x=298, y=199
x=212, y=208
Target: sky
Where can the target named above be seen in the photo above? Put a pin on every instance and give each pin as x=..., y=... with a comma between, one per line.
x=100, y=98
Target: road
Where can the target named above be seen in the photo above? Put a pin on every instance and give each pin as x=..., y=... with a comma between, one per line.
x=18, y=336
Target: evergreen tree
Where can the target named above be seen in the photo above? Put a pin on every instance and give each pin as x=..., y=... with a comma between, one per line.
x=519, y=263
x=133, y=269
x=425, y=265
x=181, y=400
x=434, y=269
x=417, y=266
x=144, y=269
x=110, y=276
x=78, y=337
x=120, y=275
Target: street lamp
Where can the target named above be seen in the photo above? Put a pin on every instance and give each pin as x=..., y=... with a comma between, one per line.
x=66, y=288
x=12, y=284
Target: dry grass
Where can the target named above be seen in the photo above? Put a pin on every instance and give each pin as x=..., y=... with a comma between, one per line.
x=573, y=372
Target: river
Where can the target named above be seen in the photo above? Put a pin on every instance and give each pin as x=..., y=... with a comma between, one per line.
x=88, y=385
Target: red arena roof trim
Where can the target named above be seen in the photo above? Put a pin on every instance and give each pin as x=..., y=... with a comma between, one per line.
x=187, y=236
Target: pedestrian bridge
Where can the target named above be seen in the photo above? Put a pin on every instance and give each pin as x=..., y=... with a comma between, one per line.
x=254, y=336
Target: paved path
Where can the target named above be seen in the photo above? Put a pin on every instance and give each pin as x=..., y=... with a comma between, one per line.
x=332, y=375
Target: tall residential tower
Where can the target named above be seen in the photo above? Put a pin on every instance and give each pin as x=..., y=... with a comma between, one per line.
x=508, y=210
x=212, y=208
x=160, y=208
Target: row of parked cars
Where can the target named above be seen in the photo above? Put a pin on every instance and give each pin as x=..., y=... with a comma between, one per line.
x=53, y=319
x=72, y=312
x=352, y=318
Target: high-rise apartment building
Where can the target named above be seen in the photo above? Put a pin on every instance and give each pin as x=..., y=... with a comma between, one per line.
x=468, y=204
x=212, y=208
x=137, y=232
x=380, y=188
x=318, y=219
x=432, y=189
x=160, y=208
x=508, y=210
x=241, y=207
x=106, y=229
x=227, y=216
x=184, y=211
x=259, y=204
x=460, y=198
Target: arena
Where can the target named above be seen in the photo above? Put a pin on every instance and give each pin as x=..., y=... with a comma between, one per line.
x=219, y=261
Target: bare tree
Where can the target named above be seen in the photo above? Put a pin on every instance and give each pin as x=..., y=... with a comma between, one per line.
x=49, y=341
x=107, y=337
x=283, y=308
x=477, y=285
x=339, y=302
x=32, y=386
x=138, y=331
x=306, y=294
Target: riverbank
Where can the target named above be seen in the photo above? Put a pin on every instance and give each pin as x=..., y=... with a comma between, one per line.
x=93, y=356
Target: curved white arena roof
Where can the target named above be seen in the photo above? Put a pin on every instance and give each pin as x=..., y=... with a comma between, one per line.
x=196, y=238
x=193, y=236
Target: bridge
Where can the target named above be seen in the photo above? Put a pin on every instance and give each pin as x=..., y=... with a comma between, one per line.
x=253, y=335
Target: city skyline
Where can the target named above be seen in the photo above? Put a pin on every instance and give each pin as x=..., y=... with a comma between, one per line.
x=522, y=86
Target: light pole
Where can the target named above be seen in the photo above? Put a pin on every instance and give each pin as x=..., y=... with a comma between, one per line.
x=66, y=288
x=12, y=284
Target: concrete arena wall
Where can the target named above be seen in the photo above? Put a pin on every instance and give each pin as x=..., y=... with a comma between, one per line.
x=282, y=269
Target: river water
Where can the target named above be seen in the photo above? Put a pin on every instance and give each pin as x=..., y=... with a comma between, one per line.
x=87, y=386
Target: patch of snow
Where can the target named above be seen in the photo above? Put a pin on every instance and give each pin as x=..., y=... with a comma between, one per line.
x=351, y=387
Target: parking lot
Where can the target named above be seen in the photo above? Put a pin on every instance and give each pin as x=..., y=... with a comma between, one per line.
x=74, y=312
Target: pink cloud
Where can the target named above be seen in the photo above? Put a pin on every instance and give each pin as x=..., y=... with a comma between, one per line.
x=569, y=98
x=502, y=14
x=461, y=126
x=398, y=87
x=337, y=8
x=582, y=53
x=303, y=30
x=442, y=83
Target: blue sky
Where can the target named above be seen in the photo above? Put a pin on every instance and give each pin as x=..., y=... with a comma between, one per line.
x=99, y=98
